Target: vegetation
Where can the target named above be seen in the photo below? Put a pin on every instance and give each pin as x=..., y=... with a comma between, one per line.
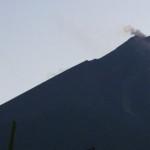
x=12, y=136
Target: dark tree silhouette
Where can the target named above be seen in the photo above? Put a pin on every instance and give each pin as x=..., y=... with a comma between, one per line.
x=12, y=136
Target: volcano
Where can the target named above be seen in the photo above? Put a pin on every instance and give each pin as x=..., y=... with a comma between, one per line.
x=103, y=103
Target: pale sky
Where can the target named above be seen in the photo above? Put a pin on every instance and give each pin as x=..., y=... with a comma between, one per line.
x=41, y=38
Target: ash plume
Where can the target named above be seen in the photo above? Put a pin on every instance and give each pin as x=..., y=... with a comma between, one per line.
x=133, y=31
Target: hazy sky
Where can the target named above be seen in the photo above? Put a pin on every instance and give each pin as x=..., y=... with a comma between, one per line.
x=41, y=38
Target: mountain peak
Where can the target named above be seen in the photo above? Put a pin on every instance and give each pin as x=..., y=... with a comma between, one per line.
x=136, y=48
x=139, y=42
x=104, y=102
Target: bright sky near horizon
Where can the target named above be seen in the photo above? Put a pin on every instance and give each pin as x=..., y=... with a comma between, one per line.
x=41, y=38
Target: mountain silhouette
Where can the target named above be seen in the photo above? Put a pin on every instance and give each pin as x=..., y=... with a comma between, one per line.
x=103, y=103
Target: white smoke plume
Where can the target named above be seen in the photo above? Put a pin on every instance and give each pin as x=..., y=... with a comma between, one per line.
x=133, y=31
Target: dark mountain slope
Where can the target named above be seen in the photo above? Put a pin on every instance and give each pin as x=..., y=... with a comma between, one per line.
x=104, y=102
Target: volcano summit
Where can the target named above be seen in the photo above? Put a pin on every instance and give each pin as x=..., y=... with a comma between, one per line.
x=103, y=102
